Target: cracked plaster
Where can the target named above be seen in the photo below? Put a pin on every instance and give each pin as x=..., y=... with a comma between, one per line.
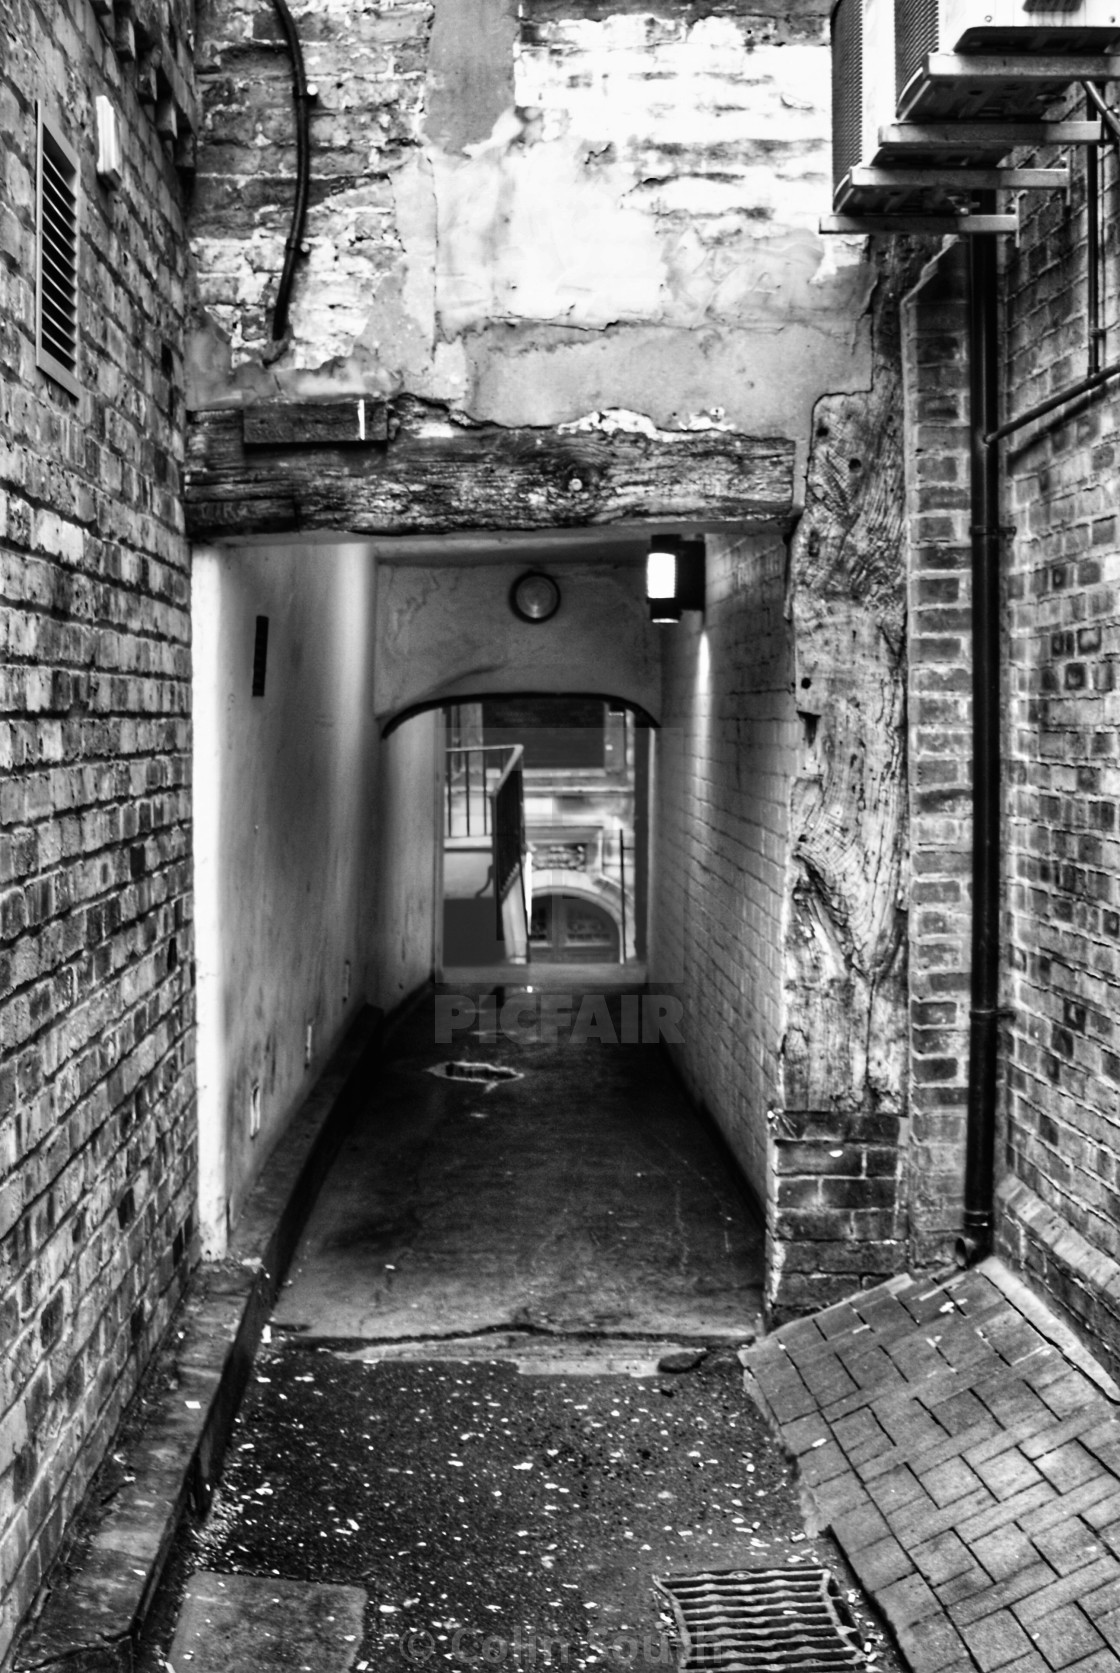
x=637, y=229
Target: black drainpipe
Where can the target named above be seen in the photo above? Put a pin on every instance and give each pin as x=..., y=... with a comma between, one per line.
x=303, y=97
x=986, y=535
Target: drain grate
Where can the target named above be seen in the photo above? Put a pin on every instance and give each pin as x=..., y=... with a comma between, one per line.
x=766, y=1620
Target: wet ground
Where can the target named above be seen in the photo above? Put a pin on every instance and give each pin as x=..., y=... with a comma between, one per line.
x=459, y=1412
x=582, y=1195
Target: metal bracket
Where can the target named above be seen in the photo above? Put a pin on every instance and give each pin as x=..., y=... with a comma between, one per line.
x=962, y=225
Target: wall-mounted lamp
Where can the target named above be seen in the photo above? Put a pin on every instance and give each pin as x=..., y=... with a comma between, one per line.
x=108, y=142
x=674, y=576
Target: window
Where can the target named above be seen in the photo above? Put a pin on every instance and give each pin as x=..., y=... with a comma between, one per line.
x=56, y=286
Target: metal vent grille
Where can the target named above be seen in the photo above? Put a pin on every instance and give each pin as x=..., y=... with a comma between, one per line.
x=917, y=30
x=763, y=1620
x=57, y=258
x=847, y=87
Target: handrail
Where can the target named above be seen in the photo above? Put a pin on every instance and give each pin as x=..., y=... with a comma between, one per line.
x=465, y=791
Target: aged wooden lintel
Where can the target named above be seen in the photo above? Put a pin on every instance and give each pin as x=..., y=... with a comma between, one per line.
x=355, y=421
x=430, y=475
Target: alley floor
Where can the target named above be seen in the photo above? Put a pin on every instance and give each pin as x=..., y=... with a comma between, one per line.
x=580, y=1195
x=501, y=1395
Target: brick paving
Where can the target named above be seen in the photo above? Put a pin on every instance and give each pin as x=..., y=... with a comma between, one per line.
x=965, y=1451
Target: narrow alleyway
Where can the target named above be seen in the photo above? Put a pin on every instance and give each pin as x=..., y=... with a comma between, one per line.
x=501, y=1395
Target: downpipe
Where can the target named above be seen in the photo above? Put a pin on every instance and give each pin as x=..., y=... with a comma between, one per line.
x=975, y=1240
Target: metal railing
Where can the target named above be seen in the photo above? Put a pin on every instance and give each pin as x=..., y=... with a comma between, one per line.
x=508, y=821
x=474, y=772
x=485, y=800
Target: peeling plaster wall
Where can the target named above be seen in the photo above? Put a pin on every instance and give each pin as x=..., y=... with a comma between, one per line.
x=447, y=632
x=532, y=222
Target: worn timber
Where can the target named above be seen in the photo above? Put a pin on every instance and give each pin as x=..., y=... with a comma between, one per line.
x=418, y=471
x=846, y=942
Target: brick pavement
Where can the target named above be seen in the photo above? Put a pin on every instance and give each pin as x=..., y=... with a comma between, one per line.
x=965, y=1451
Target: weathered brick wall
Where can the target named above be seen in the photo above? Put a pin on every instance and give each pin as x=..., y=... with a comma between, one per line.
x=935, y=364
x=724, y=761
x=96, y=1101
x=533, y=217
x=1058, y=1133
x=1060, y=1204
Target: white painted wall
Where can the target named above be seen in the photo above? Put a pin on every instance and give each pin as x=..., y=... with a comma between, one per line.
x=724, y=764
x=409, y=884
x=296, y=799
x=447, y=632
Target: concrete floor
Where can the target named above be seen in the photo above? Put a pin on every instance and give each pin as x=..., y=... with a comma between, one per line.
x=584, y=1197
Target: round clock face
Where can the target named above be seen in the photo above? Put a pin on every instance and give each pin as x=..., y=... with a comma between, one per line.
x=534, y=597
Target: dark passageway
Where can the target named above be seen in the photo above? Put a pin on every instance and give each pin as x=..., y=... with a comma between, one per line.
x=582, y=1197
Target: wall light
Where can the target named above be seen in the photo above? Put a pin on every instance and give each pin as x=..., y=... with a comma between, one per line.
x=674, y=576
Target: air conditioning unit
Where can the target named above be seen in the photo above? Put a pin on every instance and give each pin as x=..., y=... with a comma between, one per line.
x=965, y=97
x=871, y=173
x=998, y=60
x=862, y=87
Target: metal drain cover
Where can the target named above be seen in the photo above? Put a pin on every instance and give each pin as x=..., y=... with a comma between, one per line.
x=767, y=1620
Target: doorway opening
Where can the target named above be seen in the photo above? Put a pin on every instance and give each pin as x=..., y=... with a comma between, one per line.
x=580, y=765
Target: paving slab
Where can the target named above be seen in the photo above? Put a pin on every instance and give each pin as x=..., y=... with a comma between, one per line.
x=244, y=1623
x=972, y=1478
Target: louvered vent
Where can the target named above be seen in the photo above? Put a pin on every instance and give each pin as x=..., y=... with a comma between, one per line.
x=916, y=32
x=847, y=87
x=57, y=315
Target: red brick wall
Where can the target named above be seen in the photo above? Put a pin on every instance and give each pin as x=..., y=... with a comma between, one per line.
x=96, y=1132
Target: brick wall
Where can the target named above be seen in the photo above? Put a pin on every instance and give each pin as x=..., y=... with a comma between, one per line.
x=96, y=1141
x=724, y=759
x=368, y=66
x=1060, y=1199
x=935, y=363
x=1058, y=1133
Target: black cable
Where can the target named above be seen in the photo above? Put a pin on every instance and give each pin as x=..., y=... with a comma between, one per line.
x=302, y=99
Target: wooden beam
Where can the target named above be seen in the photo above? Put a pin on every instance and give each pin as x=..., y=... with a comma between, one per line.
x=437, y=476
x=358, y=421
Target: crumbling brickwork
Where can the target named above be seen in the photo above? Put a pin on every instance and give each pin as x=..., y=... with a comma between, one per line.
x=531, y=217
x=96, y=1140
